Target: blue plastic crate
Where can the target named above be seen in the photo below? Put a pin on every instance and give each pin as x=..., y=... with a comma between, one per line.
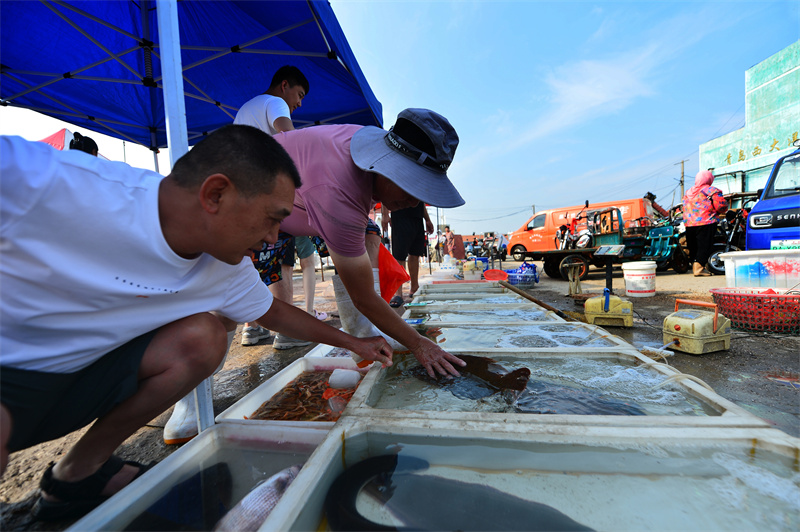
x=525, y=276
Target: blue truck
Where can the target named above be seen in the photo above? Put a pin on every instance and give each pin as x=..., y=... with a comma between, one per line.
x=774, y=221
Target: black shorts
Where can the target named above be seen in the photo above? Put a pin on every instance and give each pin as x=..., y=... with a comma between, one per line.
x=45, y=406
x=408, y=237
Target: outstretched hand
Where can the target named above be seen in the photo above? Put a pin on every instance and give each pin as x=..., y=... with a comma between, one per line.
x=436, y=360
x=374, y=348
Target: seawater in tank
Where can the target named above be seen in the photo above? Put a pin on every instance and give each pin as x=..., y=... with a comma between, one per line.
x=467, y=300
x=624, y=486
x=499, y=316
x=569, y=385
x=206, y=489
x=534, y=336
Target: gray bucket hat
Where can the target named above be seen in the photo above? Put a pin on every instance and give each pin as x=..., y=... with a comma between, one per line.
x=414, y=154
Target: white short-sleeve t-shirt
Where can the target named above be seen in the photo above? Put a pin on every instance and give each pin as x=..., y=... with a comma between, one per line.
x=261, y=112
x=85, y=267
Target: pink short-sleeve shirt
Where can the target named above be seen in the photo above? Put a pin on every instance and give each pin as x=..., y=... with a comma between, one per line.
x=335, y=199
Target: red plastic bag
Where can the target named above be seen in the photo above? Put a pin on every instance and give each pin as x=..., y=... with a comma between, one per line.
x=391, y=274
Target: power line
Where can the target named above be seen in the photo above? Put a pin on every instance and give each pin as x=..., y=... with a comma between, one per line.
x=488, y=219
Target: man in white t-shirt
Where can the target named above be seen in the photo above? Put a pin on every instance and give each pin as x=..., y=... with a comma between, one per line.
x=119, y=286
x=271, y=112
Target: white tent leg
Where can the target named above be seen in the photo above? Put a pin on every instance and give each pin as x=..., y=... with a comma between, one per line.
x=178, y=142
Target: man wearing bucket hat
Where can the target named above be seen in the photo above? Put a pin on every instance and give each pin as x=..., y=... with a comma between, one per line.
x=346, y=169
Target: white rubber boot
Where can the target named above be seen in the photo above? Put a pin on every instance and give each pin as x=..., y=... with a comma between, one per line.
x=353, y=322
x=182, y=424
x=376, y=280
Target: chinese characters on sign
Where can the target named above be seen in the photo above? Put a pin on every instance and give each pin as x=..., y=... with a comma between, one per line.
x=741, y=156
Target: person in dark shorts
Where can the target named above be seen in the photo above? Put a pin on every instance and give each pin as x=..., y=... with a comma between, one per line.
x=153, y=275
x=271, y=113
x=409, y=241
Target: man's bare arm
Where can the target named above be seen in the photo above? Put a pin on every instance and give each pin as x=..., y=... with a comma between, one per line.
x=292, y=321
x=282, y=124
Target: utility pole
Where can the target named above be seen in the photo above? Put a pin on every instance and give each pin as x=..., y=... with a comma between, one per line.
x=681, y=163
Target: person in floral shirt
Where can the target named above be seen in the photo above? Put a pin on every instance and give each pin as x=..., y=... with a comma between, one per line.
x=702, y=207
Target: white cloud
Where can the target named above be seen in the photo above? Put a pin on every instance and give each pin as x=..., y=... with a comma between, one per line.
x=582, y=90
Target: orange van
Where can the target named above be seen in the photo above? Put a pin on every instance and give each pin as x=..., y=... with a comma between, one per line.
x=538, y=233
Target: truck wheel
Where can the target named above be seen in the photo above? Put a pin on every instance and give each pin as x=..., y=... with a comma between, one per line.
x=518, y=253
x=551, y=268
x=569, y=260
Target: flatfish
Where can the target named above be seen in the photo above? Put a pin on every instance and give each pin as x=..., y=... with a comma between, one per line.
x=481, y=377
x=428, y=502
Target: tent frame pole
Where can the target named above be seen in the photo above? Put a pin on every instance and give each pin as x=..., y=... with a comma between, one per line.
x=178, y=142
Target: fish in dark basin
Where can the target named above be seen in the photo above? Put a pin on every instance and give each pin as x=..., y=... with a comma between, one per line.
x=428, y=502
x=256, y=506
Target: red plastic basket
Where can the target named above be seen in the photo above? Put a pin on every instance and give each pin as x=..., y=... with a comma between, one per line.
x=753, y=310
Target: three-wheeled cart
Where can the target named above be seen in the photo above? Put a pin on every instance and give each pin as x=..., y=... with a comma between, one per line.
x=658, y=244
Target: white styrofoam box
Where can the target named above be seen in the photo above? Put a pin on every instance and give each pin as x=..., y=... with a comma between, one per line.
x=689, y=403
x=248, y=404
x=271, y=446
x=601, y=477
x=445, y=272
x=473, y=275
x=762, y=268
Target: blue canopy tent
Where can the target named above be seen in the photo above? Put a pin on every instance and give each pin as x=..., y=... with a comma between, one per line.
x=97, y=64
x=163, y=73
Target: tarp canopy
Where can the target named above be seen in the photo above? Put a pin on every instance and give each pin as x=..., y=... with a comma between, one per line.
x=59, y=140
x=97, y=65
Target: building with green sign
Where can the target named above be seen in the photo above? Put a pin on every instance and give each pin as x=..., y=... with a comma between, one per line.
x=741, y=160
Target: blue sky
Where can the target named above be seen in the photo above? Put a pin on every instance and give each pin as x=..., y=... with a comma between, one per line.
x=559, y=102
x=555, y=102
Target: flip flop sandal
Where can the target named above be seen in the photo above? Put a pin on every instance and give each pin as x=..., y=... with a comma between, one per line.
x=320, y=315
x=396, y=301
x=78, y=498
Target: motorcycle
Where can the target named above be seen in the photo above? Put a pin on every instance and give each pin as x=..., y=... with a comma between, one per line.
x=568, y=236
x=730, y=237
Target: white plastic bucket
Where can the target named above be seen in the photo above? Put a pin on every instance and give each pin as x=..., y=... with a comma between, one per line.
x=640, y=278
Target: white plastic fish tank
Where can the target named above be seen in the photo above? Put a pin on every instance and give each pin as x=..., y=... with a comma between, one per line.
x=195, y=486
x=567, y=335
x=435, y=475
x=462, y=287
x=242, y=411
x=479, y=315
x=473, y=297
x=479, y=300
x=622, y=388
x=535, y=335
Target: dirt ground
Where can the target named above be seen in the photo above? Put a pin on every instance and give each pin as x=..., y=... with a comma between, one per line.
x=756, y=373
